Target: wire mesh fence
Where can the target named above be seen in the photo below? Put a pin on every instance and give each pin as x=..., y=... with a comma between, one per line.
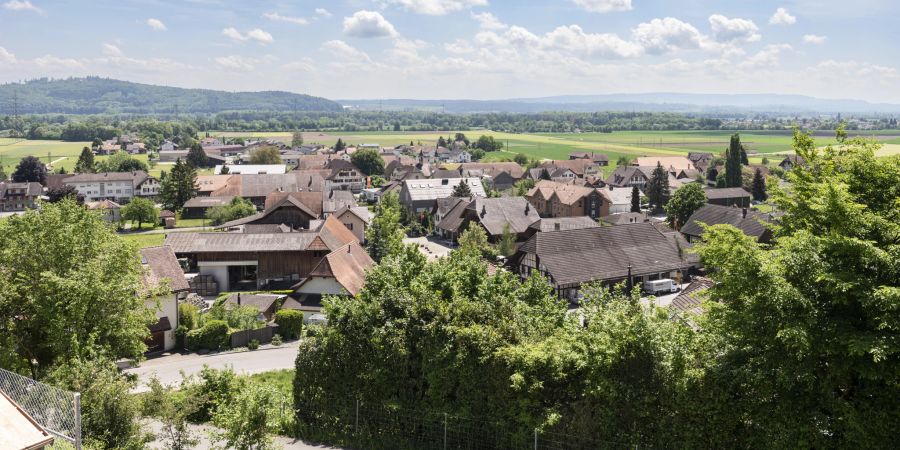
x=56, y=410
x=382, y=426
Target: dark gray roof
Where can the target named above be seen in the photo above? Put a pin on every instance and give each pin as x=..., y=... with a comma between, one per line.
x=564, y=223
x=495, y=213
x=331, y=235
x=625, y=218
x=32, y=189
x=453, y=218
x=751, y=225
x=623, y=174
x=208, y=202
x=137, y=177
x=261, y=302
x=336, y=200
x=579, y=256
x=690, y=299
x=724, y=193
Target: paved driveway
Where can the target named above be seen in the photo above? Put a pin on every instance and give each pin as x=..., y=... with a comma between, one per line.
x=168, y=368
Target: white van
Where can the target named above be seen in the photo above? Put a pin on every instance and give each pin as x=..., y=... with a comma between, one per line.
x=662, y=286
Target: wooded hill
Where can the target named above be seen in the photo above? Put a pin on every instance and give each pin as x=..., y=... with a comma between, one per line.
x=95, y=95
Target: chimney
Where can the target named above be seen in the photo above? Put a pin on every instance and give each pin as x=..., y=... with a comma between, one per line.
x=527, y=208
x=744, y=213
x=556, y=226
x=239, y=299
x=348, y=248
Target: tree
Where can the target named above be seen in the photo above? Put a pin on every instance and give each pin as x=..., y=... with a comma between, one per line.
x=623, y=161
x=85, y=162
x=30, y=169
x=179, y=186
x=369, y=161
x=120, y=162
x=806, y=329
x=545, y=174
x=744, y=160
x=441, y=142
x=507, y=245
x=249, y=422
x=657, y=189
x=473, y=241
x=3, y=175
x=296, y=139
x=488, y=143
x=385, y=235
x=236, y=209
x=765, y=161
x=520, y=159
x=57, y=194
x=461, y=137
x=110, y=414
x=462, y=189
x=225, y=170
x=267, y=154
x=140, y=210
x=733, y=162
x=173, y=412
x=684, y=202
x=758, y=188
x=635, y=199
x=197, y=156
x=339, y=146
x=72, y=284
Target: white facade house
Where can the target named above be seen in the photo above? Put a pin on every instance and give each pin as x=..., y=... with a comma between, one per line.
x=163, y=271
x=119, y=187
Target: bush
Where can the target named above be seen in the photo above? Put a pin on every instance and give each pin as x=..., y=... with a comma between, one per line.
x=181, y=337
x=211, y=389
x=290, y=323
x=253, y=344
x=188, y=316
x=212, y=336
x=276, y=340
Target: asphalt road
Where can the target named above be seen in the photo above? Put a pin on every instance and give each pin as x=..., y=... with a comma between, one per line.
x=168, y=368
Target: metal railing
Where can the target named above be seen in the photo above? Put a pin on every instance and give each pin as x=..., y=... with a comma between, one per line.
x=56, y=410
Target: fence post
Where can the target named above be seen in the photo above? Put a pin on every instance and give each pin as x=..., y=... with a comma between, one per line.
x=77, y=421
x=535, y=438
x=445, y=431
x=356, y=422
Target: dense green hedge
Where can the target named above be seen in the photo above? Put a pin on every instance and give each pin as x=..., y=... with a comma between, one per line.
x=212, y=336
x=290, y=323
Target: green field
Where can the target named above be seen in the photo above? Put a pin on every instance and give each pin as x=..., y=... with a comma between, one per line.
x=145, y=240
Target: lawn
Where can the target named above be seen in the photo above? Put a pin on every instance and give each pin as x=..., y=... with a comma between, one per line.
x=188, y=223
x=61, y=154
x=281, y=380
x=145, y=240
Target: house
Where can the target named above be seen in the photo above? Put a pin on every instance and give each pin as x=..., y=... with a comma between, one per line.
x=293, y=209
x=167, y=146
x=627, y=176
x=601, y=159
x=19, y=196
x=111, y=210
x=109, y=148
x=207, y=184
x=170, y=156
x=161, y=270
x=560, y=224
x=252, y=169
x=580, y=167
x=554, y=199
x=570, y=258
x=268, y=259
x=791, y=161
x=501, y=174
x=344, y=176
x=256, y=188
x=700, y=160
x=119, y=187
x=672, y=164
x=313, y=162
x=167, y=218
x=495, y=215
x=619, y=198
x=419, y=195
x=341, y=272
x=136, y=148
x=734, y=196
x=458, y=156
x=210, y=141
x=266, y=304
x=625, y=218
x=356, y=219
x=18, y=429
x=197, y=207
x=752, y=223
x=443, y=207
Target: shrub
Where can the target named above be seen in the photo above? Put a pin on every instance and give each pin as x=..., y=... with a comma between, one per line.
x=211, y=336
x=211, y=389
x=188, y=316
x=290, y=323
x=181, y=336
x=276, y=340
x=253, y=344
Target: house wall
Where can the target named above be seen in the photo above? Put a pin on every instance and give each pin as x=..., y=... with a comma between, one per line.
x=323, y=286
x=167, y=306
x=354, y=224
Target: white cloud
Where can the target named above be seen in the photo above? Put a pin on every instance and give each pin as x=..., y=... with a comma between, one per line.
x=289, y=19
x=243, y=63
x=768, y=57
x=368, y=24
x=782, y=17
x=573, y=39
x=851, y=68
x=255, y=34
x=6, y=57
x=156, y=24
x=344, y=51
x=603, y=6
x=665, y=35
x=813, y=39
x=19, y=5
x=323, y=12
x=488, y=21
x=54, y=62
x=437, y=7
x=733, y=30
x=111, y=50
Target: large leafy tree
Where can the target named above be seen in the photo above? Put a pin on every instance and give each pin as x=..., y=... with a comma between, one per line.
x=385, y=235
x=85, y=162
x=684, y=202
x=369, y=161
x=178, y=186
x=30, y=169
x=806, y=332
x=120, y=162
x=265, y=155
x=658, y=187
x=237, y=209
x=296, y=139
x=69, y=287
x=140, y=210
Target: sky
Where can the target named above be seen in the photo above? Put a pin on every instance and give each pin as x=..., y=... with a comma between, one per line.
x=464, y=49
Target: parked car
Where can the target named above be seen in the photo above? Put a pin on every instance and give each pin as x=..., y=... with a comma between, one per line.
x=662, y=286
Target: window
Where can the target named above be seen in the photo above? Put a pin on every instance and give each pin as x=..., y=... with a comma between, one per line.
x=349, y=226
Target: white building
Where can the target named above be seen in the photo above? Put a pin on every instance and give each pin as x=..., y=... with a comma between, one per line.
x=119, y=187
x=163, y=270
x=252, y=169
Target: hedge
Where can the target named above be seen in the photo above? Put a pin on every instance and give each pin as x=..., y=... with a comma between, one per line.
x=290, y=323
x=212, y=336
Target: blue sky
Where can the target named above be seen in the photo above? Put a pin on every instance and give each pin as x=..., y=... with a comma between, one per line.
x=464, y=48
